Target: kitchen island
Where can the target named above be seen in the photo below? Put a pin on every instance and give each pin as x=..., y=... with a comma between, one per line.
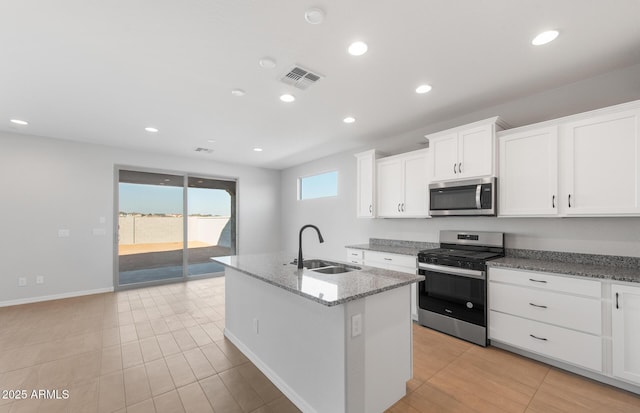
x=330, y=342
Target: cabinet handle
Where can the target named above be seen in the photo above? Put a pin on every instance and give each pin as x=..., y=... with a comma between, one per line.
x=388, y=259
x=569, y=200
x=398, y=207
x=454, y=168
x=355, y=254
x=403, y=209
x=617, y=303
x=537, y=281
x=537, y=305
x=370, y=208
x=460, y=167
x=553, y=201
x=538, y=338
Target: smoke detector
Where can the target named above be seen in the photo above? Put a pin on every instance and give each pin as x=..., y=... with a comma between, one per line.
x=314, y=16
x=300, y=77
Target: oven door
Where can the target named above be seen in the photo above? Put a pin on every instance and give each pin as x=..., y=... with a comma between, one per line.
x=455, y=292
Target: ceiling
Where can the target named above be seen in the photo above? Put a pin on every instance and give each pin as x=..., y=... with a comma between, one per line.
x=102, y=71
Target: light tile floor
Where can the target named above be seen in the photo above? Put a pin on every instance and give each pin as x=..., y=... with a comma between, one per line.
x=161, y=349
x=158, y=349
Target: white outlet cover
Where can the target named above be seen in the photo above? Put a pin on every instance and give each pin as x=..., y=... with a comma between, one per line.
x=39, y=279
x=62, y=233
x=356, y=325
x=102, y=220
x=22, y=281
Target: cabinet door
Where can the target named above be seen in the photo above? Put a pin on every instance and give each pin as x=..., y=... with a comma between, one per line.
x=476, y=152
x=365, y=183
x=625, y=332
x=444, y=150
x=528, y=183
x=416, y=191
x=389, y=189
x=601, y=157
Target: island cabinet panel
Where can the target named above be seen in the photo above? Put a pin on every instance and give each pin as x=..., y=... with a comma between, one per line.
x=625, y=301
x=353, y=357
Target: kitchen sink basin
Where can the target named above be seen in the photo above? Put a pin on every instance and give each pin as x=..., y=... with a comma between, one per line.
x=327, y=267
x=336, y=269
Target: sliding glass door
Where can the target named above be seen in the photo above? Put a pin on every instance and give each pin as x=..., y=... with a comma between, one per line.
x=211, y=223
x=157, y=241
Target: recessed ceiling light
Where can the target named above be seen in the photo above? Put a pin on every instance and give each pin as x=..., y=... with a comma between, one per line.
x=150, y=129
x=257, y=149
x=422, y=89
x=314, y=16
x=358, y=48
x=545, y=37
x=238, y=92
x=287, y=98
x=19, y=122
x=267, y=63
x=349, y=119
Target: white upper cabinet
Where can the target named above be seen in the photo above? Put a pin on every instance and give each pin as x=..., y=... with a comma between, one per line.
x=464, y=152
x=600, y=165
x=528, y=183
x=366, y=184
x=402, y=185
x=583, y=165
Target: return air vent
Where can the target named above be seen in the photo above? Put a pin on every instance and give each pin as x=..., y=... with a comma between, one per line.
x=300, y=77
x=204, y=150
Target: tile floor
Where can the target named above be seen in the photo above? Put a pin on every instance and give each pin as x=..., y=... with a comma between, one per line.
x=161, y=349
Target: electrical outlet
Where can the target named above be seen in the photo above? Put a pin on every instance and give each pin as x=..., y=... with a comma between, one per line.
x=22, y=281
x=63, y=233
x=40, y=279
x=356, y=325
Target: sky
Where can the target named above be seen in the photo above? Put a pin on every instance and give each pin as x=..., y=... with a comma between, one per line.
x=318, y=186
x=156, y=199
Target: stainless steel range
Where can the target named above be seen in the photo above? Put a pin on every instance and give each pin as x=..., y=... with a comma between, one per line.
x=453, y=297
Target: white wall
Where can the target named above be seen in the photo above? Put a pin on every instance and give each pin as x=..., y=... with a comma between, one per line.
x=336, y=217
x=48, y=184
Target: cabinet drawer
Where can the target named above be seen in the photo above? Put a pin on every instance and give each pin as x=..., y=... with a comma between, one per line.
x=570, y=346
x=546, y=281
x=578, y=313
x=408, y=261
x=354, y=254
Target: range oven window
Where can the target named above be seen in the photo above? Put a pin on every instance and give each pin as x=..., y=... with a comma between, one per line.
x=453, y=295
x=462, y=197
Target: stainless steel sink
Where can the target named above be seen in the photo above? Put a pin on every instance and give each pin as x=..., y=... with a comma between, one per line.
x=327, y=267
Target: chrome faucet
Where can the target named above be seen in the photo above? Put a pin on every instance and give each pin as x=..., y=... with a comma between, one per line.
x=300, y=242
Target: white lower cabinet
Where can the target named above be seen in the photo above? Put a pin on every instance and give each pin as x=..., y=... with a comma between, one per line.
x=553, y=316
x=625, y=330
x=388, y=261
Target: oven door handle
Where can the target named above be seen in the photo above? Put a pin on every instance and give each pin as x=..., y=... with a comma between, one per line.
x=453, y=271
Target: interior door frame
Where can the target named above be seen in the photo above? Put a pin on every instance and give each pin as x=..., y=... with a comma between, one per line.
x=185, y=236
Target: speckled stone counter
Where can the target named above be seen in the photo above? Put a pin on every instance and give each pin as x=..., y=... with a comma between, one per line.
x=327, y=289
x=584, y=265
x=395, y=246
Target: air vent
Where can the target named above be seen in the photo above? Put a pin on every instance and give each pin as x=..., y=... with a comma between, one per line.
x=204, y=150
x=300, y=77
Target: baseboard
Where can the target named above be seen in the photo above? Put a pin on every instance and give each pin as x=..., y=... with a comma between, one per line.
x=271, y=375
x=55, y=297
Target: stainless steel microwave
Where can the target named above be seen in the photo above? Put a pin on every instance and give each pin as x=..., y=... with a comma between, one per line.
x=463, y=198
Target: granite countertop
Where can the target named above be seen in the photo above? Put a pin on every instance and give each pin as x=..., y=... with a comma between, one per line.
x=394, y=246
x=327, y=289
x=608, y=272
